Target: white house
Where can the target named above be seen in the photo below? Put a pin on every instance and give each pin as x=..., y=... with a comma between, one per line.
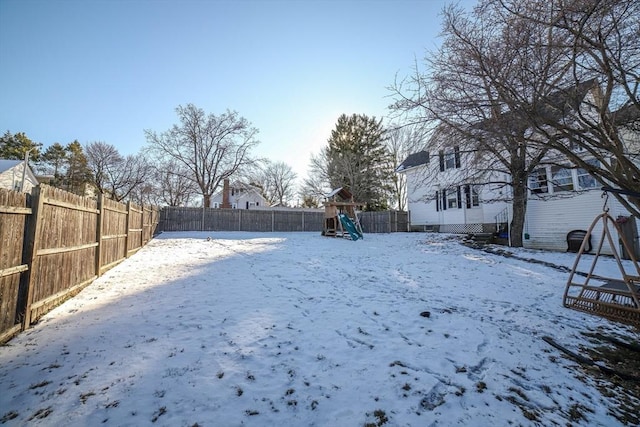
x=13, y=176
x=238, y=196
x=439, y=199
x=561, y=198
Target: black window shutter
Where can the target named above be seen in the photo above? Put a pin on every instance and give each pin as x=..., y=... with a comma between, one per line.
x=467, y=195
x=456, y=151
x=437, y=201
x=441, y=155
x=459, y=198
x=444, y=200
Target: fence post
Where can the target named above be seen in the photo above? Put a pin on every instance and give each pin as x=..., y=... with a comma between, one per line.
x=31, y=250
x=126, y=239
x=303, y=221
x=99, y=223
x=273, y=221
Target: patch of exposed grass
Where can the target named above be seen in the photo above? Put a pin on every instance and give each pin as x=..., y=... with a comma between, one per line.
x=40, y=384
x=85, y=396
x=41, y=413
x=381, y=418
x=8, y=416
x=160, y=412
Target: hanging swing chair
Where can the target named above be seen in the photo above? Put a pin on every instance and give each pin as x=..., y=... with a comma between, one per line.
x=615, y=298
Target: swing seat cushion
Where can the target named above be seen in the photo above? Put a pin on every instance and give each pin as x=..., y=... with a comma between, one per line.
x=575, y=239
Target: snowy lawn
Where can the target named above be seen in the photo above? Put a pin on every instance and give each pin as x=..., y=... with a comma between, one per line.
x=295, y=329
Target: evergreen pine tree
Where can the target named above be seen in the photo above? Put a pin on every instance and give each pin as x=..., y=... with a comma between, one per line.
x=359, y=160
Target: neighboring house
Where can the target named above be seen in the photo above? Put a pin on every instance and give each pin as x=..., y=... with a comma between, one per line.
x=14, y=177
x=561, y=199
x=238, y=196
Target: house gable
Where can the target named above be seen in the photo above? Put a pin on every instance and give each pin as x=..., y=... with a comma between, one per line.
x=241, y=196
x=11, y=176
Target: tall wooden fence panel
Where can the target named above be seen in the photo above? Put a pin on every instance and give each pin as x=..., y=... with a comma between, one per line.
x=114, y=234
x=62, y=257
x=149, y=222
x=210, y=219
x=384, y=222
x=55, y=243
x=13, y=216
x=136, y=227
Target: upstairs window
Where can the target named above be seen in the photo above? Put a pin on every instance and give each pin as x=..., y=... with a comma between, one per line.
x=449, y=159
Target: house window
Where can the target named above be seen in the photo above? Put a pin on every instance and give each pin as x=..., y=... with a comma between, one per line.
x=561, y=179
x=538, y=181
x=585, y=180
x=575, y=147
x=216, y=205
x=234, y=206
x=472, y=196
x=452, y=199
x=449, y=159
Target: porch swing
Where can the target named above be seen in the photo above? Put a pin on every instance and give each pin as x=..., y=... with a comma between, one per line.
x=615, y=298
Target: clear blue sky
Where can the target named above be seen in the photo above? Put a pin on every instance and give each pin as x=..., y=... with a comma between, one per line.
x=97, y=70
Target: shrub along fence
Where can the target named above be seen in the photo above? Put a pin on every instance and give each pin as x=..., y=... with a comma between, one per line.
x=212, y=219
x=55, y=243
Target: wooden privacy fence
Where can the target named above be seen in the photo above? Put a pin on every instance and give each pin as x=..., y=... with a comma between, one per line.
x=213, y=219
x=55, y=243
x=384, y=222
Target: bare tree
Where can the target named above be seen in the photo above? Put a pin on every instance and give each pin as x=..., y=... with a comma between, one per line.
x=602, y=38
x=277, y=182
x=402, y=141
x=317, y=184
x=489, y=66
x=115, y=176
x=174, y=185
x=212, y=148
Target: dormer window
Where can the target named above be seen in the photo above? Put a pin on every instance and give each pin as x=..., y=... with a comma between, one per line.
x=449, y=159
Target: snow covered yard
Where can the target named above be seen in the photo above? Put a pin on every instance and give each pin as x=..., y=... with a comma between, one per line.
x=295, y=329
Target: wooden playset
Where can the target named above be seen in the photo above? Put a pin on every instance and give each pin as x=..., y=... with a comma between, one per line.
x=341, y=216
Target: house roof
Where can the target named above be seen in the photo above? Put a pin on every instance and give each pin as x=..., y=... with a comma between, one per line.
x=241, y=185
x=5, y=164
x=628, y=115
x=415, y=159
x=549, y=109
x=341, y=192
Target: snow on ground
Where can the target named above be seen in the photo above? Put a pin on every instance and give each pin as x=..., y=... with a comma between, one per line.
x=295, y=329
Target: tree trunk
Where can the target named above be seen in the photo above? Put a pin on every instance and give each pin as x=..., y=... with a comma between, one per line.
x=519, y=211
x=206, y=200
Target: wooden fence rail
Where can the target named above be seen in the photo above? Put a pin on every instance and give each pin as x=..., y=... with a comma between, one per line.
x=211, y=219
x=55, y=243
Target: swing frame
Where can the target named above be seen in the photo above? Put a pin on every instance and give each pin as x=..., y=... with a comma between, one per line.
x=614, y=298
